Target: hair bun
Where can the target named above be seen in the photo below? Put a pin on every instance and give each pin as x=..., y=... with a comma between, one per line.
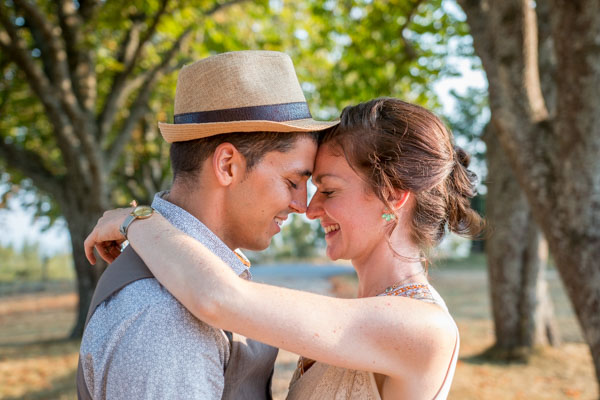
x=462, y=157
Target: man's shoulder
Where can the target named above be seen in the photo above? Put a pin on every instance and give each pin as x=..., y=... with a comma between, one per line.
x=149, y=304
x=142, y=340
x=129, y=292
x=145, y=315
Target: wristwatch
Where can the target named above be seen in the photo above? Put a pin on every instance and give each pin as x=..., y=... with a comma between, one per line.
x=140, y=212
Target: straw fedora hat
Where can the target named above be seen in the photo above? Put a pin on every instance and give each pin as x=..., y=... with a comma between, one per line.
x=241, y=91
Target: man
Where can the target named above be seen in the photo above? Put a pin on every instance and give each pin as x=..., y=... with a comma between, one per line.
x=244, y=145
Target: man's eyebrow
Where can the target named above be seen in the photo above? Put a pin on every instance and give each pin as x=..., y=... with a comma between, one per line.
x=303, y=173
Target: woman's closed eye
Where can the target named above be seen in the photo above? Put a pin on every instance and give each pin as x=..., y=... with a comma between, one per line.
x=292, y=184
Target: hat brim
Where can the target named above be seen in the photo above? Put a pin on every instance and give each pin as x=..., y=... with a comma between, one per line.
x=184, y=132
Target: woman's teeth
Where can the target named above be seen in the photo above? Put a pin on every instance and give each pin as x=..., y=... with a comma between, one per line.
x=331, y=228
x=278, y=222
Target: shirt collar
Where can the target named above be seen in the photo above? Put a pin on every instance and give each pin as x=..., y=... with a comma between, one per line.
x=191, y=226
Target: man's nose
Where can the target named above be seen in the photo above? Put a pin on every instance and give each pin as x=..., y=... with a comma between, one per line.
x=298, y=203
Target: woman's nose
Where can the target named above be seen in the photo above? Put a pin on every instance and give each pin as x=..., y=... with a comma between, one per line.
x=314, y=209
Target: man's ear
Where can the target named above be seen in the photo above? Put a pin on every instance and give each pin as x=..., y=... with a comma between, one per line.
x=228, y=164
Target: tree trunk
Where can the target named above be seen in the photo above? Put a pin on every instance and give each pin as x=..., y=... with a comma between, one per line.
x=541, y=59
x=478, y=204
x=81, y=222
x=579, y=272
x=517, y=256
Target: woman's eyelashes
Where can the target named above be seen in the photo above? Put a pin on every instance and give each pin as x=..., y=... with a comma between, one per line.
x=292, y=184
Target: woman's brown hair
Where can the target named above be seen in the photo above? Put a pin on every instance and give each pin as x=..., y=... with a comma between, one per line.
x=395, y=146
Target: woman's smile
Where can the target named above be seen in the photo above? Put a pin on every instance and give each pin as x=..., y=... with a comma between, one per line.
x=330, y=230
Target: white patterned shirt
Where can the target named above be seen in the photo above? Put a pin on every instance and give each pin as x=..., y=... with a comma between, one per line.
x=141, y=343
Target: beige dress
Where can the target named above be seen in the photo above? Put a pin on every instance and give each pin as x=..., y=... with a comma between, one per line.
x=327, y=382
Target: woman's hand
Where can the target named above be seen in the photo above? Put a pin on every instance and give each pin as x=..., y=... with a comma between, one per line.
x=106, y=237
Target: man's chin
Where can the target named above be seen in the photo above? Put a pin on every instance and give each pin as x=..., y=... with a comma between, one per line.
x=258, y=246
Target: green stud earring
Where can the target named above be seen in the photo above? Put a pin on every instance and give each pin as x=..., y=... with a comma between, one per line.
x=388, y=217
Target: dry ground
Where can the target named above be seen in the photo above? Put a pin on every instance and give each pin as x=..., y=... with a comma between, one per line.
x=36, y=364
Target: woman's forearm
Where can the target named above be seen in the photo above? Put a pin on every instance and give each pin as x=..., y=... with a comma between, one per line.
x=198, y=278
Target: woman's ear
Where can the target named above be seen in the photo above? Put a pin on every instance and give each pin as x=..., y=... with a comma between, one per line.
x=228, y=164
x=400, y=199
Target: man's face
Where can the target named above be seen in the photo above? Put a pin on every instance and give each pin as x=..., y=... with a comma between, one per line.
x=272, y=189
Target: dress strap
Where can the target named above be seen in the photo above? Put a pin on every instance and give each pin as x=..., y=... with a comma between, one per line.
x=449, y=367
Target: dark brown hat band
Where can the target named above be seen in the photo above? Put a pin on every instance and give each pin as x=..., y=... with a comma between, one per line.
x=271, y=112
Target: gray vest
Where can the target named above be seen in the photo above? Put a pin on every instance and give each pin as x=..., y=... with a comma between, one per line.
x=242, y=379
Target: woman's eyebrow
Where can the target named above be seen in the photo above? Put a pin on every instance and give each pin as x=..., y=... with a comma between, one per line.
x=320, y=177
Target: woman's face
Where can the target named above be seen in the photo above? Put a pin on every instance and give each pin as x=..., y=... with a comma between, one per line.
x=350, y=213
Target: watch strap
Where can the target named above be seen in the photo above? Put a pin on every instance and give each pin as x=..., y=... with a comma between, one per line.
x=125, y=225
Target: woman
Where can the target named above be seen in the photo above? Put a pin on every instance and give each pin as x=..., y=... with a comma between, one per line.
x=390, y=183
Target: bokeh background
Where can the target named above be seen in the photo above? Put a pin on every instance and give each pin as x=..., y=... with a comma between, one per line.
x=83, y=84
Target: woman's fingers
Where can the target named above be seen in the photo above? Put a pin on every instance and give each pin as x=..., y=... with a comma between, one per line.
x=88, y=245
x=115, y=249
x=105, y=237
x=103, y=253
x=109, y=251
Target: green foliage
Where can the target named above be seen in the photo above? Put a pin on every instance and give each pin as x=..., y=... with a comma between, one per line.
x=468, y=124
x=469, y=119
x=344, y=52
x=351, y=51
x=299, y=239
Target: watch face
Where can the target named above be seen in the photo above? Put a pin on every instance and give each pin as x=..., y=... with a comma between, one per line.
x=143, y=211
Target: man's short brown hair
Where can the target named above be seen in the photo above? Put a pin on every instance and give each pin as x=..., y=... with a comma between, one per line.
x=187, y=157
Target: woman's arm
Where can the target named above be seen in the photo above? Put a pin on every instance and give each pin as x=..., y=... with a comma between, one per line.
x=394, y=336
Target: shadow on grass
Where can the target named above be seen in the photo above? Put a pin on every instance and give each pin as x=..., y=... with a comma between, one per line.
x=29, y=350
x=62, y=387
x=502, y=357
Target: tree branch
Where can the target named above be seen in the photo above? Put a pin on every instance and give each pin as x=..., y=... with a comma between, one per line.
x=65, y=132
x=220, y=6
x=411, y=54
x=59, y=68
x=502, y=35
x=575, y=33
x=31, y=165
x=87, y=8
x=4, y=92
x=129, y=53
x=151, y=29
x=531, y=78
x=546, y=55
x=84, y=130
x=79, y=60
x=62, y=82
x=140, y=103
x=14, y=47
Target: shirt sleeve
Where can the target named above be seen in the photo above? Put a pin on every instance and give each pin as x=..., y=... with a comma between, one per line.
x=144, y=344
